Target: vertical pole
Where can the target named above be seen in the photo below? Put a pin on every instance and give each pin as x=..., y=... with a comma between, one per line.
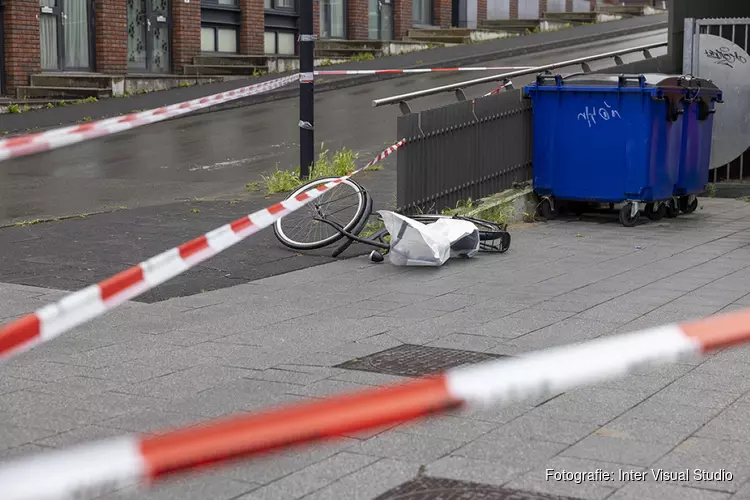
x=306, y=89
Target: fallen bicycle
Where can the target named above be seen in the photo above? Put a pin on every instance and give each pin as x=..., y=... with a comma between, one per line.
x=424, y=239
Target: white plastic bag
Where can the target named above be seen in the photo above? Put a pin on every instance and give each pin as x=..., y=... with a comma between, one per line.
x=416, y=244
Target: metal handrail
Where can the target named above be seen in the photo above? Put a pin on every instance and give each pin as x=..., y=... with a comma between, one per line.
x=487, y=79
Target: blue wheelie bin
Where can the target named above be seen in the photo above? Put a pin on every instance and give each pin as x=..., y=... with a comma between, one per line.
x=695, y=160
x=606, y=138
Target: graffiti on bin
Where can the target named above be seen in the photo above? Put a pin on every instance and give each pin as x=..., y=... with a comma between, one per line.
x=605, y=112
x=725, y=57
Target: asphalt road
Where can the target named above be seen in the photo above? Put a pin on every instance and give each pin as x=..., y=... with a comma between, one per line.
x=213, y=156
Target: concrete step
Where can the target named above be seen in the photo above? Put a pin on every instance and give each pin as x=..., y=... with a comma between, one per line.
x=222, y=69
x=62, y=92
x=229, y=60
x=344, y=53
x=459, y=32
x=439, y=39
x=503, y=23
x=357, y=45
x=571, y=17
x=77, y=80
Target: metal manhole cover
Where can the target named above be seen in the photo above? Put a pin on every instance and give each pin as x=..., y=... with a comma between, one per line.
x=434, y=488
x=409, y=360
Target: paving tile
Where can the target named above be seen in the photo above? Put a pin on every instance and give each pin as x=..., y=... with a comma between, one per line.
x=520, y=323
x=277, y=465
x=669, y=414
x=591, y=405
x=649, y=431
x=368, y=483
x=512, y=451
x=544, y=429
x=613, y=449
x=565, y=332
x=711, y=455
x=12, y=436
x=665, y=491
x=185, y=382
x=410, y=447
x=449, y=427
x=463, y=341
x=477, y=471
x=731, y=424
x=196, y=487
x=693, y=397
x=314, y=477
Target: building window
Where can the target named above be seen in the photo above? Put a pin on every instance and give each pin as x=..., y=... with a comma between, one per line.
x=219, y=39
x=279, y=42
x=332, y=19
x=280, y=4
x=220, y=23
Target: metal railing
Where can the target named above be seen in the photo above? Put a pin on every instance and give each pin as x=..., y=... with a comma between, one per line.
x=476, y=147
x=468, y=149
x=458, y=87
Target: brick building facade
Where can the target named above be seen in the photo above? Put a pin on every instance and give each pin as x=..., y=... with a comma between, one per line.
x=121, y=37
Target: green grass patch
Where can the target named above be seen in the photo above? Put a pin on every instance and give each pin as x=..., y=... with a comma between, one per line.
x=364, y=56
x=340, y=163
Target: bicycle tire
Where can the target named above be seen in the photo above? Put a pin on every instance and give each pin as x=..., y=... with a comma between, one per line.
x=357, y=228
x=287, y=241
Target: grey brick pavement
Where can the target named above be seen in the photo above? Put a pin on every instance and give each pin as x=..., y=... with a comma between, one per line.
x=143, y=367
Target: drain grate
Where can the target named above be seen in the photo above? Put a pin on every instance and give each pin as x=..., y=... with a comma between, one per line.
x=410, y=360
x=432, y=488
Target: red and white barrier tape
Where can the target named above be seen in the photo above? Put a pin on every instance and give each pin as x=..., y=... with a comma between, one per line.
x=500, y=87
x=84, y=471
x=52, y=139
x=417, y=70
x=84, y=305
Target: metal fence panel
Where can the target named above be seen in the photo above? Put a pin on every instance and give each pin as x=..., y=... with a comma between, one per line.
x=498, y=9
x=469, y=149
x=736, y=30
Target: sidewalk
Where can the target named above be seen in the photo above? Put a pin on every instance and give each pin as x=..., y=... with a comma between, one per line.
x=445, y=56
x=145, y=367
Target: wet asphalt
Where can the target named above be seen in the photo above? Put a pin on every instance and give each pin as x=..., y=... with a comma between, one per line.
x=167, y=183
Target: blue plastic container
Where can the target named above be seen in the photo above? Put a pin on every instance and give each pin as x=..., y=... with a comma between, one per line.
x=696, y=141
x=607, y=138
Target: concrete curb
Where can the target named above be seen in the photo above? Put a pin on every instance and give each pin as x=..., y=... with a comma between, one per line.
x=473, y=59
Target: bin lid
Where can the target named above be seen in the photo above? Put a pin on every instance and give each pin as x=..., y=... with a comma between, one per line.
x=661, y=81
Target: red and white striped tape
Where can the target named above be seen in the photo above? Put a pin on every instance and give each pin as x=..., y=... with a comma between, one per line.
x=84, y=305
x=52, y=139
x=416, y=70
x=500, y=86
x=86, y=471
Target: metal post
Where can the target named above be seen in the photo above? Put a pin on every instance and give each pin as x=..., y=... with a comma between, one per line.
x=306, y=89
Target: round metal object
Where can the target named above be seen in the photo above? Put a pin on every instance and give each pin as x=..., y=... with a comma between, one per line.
x=728, y=66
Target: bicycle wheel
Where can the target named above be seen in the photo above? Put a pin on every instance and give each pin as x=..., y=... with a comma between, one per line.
x=343, y=204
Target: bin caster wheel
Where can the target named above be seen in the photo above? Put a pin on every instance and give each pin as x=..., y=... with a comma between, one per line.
x=627, y=219
x=546, y=210
x=672, y=209
x=655, y=214
x=687, y=206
